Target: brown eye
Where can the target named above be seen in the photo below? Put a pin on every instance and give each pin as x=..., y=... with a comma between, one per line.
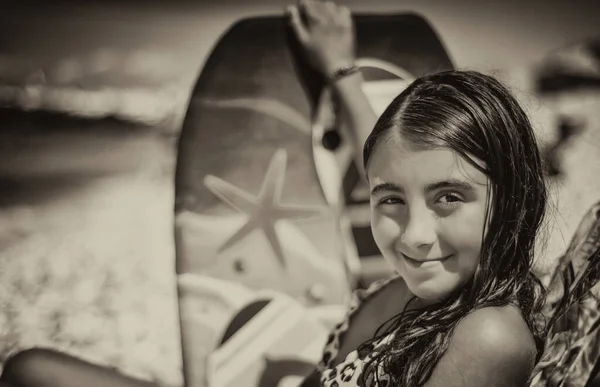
x=450, y=199
x=391, y=201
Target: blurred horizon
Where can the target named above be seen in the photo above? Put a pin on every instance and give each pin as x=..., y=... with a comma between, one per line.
x=138, y=60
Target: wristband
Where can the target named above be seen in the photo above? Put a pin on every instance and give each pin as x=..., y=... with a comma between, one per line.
x=342, y=72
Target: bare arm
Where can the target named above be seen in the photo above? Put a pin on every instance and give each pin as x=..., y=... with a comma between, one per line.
x=491, y=347
x=357, y=111
x=39, y=367
x=327, y=34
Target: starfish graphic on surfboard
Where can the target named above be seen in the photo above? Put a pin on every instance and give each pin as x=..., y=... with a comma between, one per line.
x=261, y=243
x=263, y=211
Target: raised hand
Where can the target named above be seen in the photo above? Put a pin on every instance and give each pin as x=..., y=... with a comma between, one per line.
x=326, y=32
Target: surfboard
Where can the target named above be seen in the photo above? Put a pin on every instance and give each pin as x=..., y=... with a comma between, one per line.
x=250, y=211
x=263, y=200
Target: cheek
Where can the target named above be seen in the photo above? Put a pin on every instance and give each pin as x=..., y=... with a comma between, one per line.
x=465, y=231
x=385, y=230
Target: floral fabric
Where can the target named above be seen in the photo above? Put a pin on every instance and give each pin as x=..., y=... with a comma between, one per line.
x=572, y=347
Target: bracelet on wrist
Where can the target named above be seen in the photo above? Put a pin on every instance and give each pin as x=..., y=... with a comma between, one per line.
x=342, y=72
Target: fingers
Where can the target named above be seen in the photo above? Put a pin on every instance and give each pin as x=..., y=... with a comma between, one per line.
x=330, y=6
x=297, y=24
x=314, y=15
x=322, y=11
x=344, y=11
x=312, y=9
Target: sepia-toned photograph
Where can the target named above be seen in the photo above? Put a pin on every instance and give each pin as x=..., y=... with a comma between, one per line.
x=310, y=193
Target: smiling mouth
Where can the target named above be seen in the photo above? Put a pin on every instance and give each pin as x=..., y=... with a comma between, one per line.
x=421, y=261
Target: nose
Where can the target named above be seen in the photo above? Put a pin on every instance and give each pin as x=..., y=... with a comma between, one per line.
x=419, y=231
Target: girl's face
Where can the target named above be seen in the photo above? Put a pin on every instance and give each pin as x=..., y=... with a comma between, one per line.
x=427, y=214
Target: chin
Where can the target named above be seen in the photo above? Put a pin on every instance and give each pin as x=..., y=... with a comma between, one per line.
x=431, y=291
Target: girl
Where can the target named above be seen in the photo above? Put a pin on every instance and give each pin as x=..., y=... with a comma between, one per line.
x=457, y=198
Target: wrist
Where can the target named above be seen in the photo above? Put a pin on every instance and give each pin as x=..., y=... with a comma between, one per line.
x=329, y=65
x=340, y=72
x=347, y=85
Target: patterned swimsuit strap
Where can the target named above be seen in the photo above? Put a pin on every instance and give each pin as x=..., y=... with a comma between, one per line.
x=358, y=298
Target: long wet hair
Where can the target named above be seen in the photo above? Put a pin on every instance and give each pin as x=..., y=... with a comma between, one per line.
x=477, y=117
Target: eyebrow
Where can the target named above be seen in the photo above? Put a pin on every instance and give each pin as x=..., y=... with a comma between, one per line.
x=456, y=184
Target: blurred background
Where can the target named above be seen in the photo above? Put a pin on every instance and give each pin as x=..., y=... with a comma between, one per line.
x=92, y=99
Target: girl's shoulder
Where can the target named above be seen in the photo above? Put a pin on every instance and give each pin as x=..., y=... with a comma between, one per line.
x=502, y=326
x=362, y=297
x=361, y=305
x=393, y=285
x=376, y=286
x=492, y=344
